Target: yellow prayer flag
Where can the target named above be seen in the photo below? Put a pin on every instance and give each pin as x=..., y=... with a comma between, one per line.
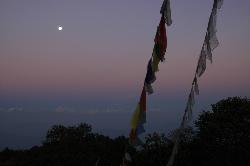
x=136, y=117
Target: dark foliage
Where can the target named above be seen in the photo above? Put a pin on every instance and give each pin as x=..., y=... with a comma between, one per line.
x=222, y=137
x=67, y=146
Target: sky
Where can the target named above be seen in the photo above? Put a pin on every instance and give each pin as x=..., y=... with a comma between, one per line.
x=93, y=70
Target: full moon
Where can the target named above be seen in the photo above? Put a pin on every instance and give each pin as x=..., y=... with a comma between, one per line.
x=60, y=28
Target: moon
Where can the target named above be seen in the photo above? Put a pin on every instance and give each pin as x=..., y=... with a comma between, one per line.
x=60, y=28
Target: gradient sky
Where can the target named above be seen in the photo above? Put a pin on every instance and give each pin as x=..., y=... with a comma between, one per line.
x=94, y=69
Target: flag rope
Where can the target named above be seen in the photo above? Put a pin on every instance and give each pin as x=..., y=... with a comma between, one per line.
x=209, y=44
x=139, y=116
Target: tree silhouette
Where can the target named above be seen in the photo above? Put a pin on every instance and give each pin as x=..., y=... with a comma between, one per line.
x=62, y=134
x=222, y=136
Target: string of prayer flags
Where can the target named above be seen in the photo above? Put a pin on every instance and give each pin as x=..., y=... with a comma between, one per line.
x=210, y=43
x=160, y=45
x=138, y=119
x=158, y=54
